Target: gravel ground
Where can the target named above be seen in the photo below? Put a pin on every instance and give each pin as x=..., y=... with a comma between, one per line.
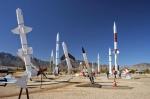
x=80, y=88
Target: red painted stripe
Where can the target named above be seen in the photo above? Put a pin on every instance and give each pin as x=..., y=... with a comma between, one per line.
x=115, y=37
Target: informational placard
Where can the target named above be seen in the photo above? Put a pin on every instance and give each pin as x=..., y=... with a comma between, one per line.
x=22, y=82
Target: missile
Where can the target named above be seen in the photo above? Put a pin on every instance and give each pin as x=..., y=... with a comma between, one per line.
x=86, y=61
x=67, y=57
x=52, y=57
x=115, y=37
x=98, y=63
x=89, y=69
x=57, y=49
x=110, y=61
x=93, y=67
x=52, y=61
x=25, y=52
x=116, y=51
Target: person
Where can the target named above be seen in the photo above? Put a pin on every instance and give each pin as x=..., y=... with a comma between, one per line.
x=120, y=74
x=115, y=74
x=107, y=73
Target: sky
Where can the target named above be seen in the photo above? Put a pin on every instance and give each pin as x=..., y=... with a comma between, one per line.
x=87, y=23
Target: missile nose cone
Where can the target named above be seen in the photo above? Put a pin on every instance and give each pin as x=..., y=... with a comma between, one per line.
x=19, y=16
x=63, y=43
x=109, y=51
x=114, y=23
x=57, y=38
x=83, y=51
x=19, y=11
x=52, y=54
x=115, y=29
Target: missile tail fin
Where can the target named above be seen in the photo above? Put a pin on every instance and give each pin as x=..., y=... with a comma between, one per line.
x=26, y=30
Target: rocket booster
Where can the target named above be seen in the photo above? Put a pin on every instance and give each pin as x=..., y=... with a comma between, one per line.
x=67, y=57
x=115, y=46
x=57, y=49
x=25, y=51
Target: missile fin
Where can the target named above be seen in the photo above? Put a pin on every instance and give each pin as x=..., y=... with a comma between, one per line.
x=16, y=30
x=27, y=29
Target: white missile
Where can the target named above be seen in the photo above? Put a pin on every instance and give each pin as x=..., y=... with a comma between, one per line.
x=67, y=57
x=110, y=61
x=93, y=67
x=52, y=61
x=86, y=60
x=57, y=49
x=98, y=63
x=52, y=57
x=25, y=52
x=115, y=47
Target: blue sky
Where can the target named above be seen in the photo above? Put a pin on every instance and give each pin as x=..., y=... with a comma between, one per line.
x=87, y=23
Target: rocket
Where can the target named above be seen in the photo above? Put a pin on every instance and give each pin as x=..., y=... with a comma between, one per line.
x=67, y=57
x=116, y=51
x=57, y=50
x=52, y=56
x=98, y=63
x=86, y=61
x=93, y=67
x=110, y=61
x=52, y=61
x=25, y=52
x=89, y=69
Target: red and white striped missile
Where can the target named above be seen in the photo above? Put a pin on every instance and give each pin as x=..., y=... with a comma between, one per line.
x=115, y=37
x=115, y=46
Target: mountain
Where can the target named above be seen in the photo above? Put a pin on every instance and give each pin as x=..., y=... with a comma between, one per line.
x=7, y=59
x=141, y=66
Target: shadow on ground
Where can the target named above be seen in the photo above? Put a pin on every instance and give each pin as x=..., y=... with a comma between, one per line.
x=104, y=86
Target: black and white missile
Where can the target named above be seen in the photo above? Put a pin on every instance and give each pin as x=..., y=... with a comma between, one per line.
x=86, y=61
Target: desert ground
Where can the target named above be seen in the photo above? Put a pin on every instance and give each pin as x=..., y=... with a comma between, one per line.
x=77, y=87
